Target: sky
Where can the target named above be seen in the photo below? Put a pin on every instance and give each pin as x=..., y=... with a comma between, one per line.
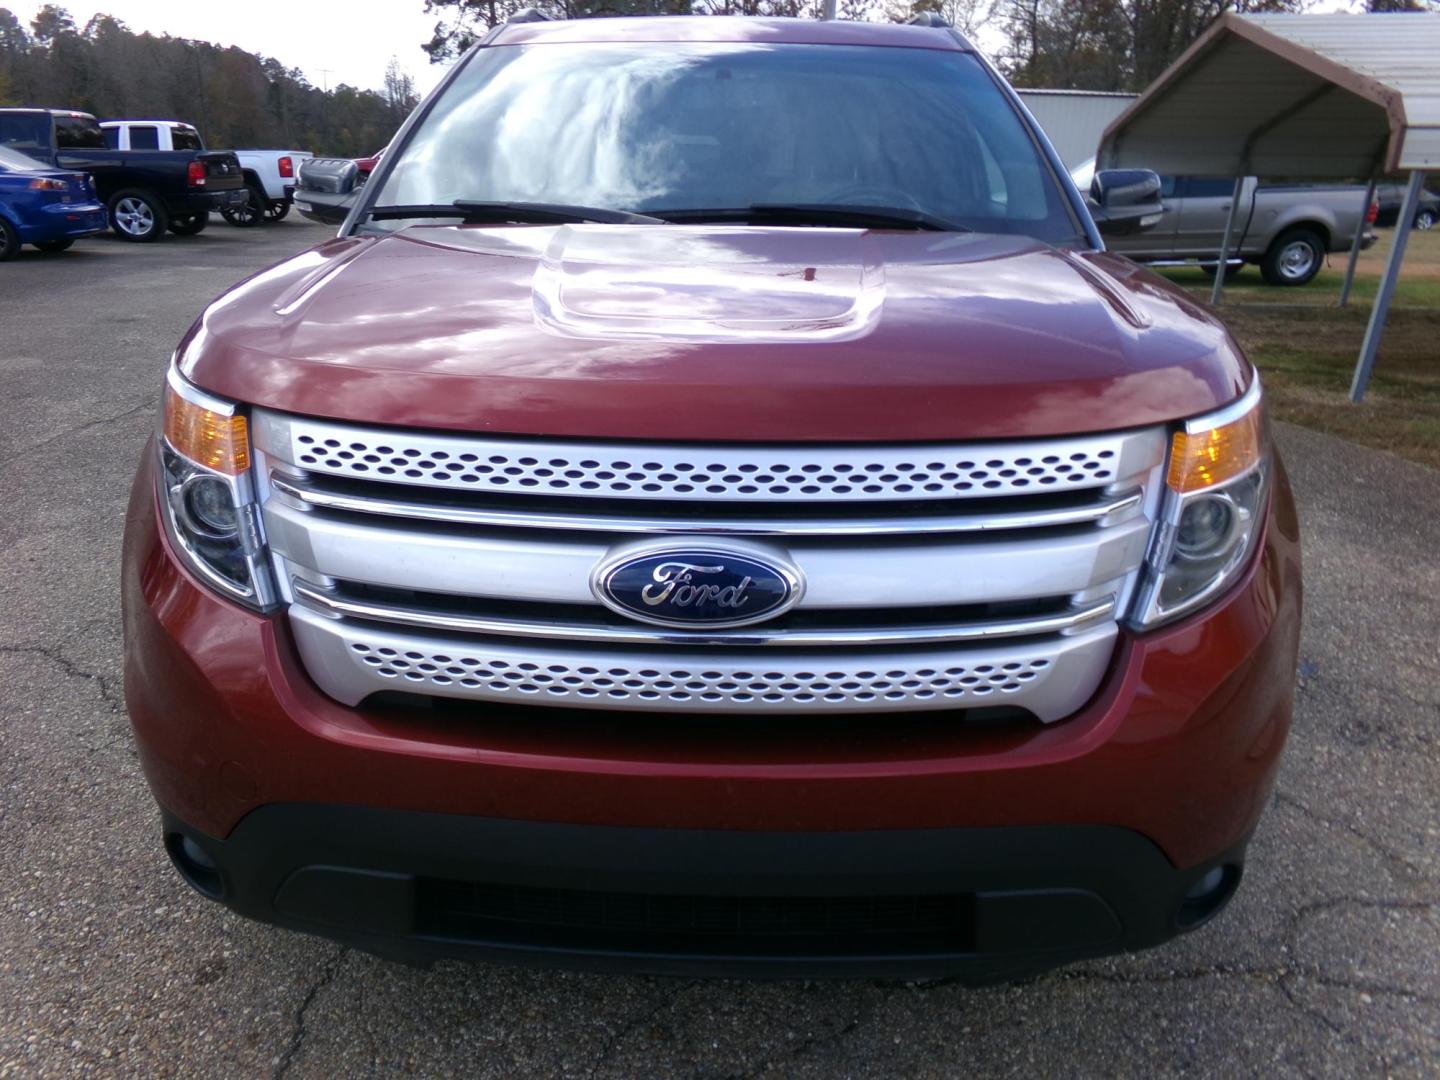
x=330, y=42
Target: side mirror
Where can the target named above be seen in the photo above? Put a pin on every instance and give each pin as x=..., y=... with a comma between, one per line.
x=326, y=189
x=1125, y=201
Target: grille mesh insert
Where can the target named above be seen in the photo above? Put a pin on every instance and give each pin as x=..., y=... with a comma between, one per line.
x=667, y=686
x=661, y=472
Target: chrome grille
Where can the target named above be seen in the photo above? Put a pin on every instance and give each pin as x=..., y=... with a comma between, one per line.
x=621, y=471
x=926, y=587
x=362, y=659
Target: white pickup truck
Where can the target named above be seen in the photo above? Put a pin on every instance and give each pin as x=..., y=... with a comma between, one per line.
x=269, y=174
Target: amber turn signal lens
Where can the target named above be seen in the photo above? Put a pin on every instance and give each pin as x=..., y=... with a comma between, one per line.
x=1202, y=459
x=211, y=439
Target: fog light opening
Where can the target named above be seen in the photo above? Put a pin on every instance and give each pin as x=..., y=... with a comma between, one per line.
x=1207, y=895
x=195, y=865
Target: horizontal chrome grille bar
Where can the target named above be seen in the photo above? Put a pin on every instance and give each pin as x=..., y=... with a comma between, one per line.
x=319, y=498
x=335, y=604
x=1050, y=677
x=795, y=473
x=553, y=567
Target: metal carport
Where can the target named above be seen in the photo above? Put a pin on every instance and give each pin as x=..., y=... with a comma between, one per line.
x=1313, y=97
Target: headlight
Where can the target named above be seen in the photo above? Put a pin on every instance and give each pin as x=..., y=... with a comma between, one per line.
x=208, y=492
x=1217, y=481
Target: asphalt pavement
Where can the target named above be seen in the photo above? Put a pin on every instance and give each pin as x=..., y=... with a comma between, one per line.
x=1327, y=963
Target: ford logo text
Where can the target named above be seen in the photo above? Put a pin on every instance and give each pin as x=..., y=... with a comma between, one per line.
x=696, y=587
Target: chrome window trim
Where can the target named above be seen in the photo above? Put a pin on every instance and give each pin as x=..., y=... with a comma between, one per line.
x=332, y=603
x=1109, y=506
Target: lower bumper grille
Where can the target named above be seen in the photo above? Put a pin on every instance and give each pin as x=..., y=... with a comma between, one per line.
x=466, y=910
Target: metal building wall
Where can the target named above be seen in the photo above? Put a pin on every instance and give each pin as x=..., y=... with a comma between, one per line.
x=1075, y=119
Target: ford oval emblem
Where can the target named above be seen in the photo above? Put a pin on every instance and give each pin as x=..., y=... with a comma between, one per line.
x=697, y=586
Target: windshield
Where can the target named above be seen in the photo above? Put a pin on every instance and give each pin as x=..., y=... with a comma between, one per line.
x=14, y=161
x=683, y=127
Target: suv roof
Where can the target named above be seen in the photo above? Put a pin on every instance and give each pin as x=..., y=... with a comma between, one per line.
x=667, y=28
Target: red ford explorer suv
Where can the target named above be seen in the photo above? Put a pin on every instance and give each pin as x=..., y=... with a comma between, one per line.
x=715, y=507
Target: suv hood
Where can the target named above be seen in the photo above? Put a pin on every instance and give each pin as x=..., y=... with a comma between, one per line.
x=715, y=333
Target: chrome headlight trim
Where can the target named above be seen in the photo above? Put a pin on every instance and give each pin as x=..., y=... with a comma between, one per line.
x=1249, y=493
x=174, y=471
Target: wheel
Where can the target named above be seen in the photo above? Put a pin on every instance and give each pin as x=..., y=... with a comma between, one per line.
x=1426, y=219
x=55, y=245
x=277, y=211
x=249, y=213
x=1231, y=270
x=137, y=216
x=9, y=240
x=189, y=224
x=1294, y=258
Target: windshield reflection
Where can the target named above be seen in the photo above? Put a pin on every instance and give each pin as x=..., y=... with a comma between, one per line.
x=659, y=127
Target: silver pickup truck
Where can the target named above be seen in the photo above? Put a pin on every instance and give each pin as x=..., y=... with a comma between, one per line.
x=1286, y=229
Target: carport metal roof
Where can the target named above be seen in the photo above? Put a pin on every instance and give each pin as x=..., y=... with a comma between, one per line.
x=1315, y=97
x=1318, y=97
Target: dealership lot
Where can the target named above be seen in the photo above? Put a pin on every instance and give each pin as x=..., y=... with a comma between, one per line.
x=1328, y=963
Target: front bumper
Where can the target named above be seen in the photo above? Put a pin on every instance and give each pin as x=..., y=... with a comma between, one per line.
x=982, y=904
x=1161, y=778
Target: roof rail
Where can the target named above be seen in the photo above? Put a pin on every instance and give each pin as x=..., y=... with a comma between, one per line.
x=928, y=18
x=528, y=14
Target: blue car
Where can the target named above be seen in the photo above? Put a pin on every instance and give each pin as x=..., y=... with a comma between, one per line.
x=47, y=207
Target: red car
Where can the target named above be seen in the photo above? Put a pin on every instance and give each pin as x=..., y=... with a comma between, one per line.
x=716, y=507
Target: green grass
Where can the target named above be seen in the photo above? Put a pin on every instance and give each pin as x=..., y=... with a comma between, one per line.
x=1419, y=283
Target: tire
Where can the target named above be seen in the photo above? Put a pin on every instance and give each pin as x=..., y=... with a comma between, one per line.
x=189, y=224
x=9, y=241
x=1426, y=219
x=250, y=214
x=138, y=217
x=277, y=211
x=1294, y=258
x=55, y=246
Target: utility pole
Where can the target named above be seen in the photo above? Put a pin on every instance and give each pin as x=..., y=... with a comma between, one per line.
x=829, y=10
x=325, y=77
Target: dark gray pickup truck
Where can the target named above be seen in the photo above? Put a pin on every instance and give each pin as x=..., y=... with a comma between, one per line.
x=146, y=193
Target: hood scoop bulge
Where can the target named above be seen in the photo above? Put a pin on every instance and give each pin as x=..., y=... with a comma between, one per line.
x=708, y=284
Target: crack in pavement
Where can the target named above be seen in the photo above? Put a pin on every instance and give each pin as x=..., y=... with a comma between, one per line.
x=71, y=670
x=614, y=1039
x=29, y=451
x=298, y=1031
x=805, y=1046
x=1284, y=798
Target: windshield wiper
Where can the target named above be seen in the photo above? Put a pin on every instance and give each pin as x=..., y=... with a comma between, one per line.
x=867, y=217
x=483, y=213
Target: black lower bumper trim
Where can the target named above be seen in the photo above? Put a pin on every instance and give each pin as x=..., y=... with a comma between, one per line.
x=981, y=904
